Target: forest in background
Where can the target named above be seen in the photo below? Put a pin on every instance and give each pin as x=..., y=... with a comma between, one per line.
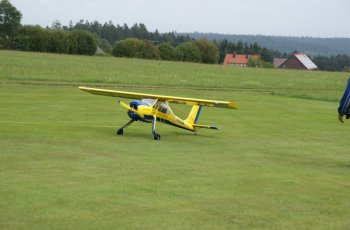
x=310, y=45
x=86, y=38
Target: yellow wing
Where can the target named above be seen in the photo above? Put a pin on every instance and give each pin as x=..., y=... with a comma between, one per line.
x=180, y=100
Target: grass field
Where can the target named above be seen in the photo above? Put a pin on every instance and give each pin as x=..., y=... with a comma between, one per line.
x=281, y=162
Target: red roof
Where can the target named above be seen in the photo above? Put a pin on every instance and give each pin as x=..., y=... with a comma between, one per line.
x=236, y=59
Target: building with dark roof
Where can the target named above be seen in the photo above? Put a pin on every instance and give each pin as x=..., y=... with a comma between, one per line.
x=298, y=61
x=278, y=61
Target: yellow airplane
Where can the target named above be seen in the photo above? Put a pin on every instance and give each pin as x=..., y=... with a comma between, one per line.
x=151, y=108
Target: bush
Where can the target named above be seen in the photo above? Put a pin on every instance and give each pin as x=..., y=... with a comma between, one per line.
x=129, y=47
x=258, y=62
x=208, y=50
x=32, y=38
x=81, y=42
x=167, y=51
x=58, y=42
x=35, y=38
x=149, y=51
x=136, y=48
x=189, y=52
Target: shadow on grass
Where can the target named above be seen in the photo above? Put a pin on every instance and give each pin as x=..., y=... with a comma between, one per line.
x=168, y=135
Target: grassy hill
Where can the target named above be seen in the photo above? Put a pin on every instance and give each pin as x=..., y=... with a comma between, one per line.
x=281, y=162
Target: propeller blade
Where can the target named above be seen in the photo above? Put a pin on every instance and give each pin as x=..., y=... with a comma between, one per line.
x=126, y=106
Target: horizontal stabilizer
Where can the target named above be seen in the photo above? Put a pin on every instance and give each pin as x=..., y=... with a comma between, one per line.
x=205, y=127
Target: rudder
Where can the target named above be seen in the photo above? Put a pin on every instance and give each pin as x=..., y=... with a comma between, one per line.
x=194, y=114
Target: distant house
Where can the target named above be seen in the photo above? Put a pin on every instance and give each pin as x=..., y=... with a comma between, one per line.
x=298, y=61
x=278, y=61
x=237, y=59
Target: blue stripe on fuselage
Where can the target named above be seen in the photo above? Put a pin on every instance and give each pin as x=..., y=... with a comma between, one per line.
x=198, y=113
x=134, y=104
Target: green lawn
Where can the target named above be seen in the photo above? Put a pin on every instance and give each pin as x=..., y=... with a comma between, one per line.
x=281, y=162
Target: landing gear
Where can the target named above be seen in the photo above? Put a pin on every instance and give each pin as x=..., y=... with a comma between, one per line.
x=156, y=136
x=121, y=129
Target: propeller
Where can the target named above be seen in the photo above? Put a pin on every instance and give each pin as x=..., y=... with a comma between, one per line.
x=126, y=106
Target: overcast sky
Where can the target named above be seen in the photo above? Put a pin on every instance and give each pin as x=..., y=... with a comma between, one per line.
x=316, y=18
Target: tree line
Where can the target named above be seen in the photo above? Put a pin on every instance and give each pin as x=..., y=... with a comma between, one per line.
x=85, y=37
x=201, y=50
x=286, y=44
x=113, y=33
x=333, y=63
x=35, y=38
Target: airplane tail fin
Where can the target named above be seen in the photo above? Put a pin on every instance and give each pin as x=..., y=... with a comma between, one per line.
x=194, y=114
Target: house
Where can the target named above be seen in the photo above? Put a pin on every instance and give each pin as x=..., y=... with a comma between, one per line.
x=278, y=61
x=237, y=59
x=298, y=61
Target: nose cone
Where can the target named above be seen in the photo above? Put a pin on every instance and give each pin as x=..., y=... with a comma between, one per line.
x=134, y=105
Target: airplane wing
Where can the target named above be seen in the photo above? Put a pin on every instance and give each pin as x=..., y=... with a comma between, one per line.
x=180, y=100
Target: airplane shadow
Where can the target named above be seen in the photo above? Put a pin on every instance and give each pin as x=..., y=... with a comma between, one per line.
x=164, y=135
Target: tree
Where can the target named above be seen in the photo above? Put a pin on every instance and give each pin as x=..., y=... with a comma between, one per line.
x=32, y=38
x=56, y=25
x=239, y=47
x=188, y=51
x=266, y=55
x=149, y=51
x=136, y=48
x=10, y=21
x=82, y=42
x=58, y=42
x=333, y=63
x=167, y=51
x=258, y=62
x=208, y=50
x=129, y=47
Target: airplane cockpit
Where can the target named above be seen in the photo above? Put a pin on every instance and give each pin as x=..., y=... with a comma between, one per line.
x=164, y=108
x=149, y=101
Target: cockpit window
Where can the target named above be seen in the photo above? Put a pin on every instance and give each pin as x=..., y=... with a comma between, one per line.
x=149, y=102
x=164, y=108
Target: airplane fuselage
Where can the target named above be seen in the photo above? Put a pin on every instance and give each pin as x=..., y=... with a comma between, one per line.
x=158, y=111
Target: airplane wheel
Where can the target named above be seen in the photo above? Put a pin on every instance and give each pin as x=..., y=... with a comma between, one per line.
x=156, y=136
x=120, y=132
